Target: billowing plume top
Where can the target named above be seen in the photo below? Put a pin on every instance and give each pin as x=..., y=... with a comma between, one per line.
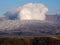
x=30, y=11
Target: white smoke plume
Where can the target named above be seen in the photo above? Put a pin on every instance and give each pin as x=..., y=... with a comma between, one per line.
x=30, y=11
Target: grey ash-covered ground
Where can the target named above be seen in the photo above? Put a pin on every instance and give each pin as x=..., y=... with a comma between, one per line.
x=29, y=28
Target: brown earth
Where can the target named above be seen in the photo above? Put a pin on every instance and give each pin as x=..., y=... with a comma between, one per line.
x=30, y=40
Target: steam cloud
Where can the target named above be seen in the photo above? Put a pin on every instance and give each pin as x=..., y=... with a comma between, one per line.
x=29, y=11
x=33, y=12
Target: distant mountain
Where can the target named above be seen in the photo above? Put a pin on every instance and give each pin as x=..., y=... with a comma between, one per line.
x=3, y=18
x=55, y=18
x=51, y=26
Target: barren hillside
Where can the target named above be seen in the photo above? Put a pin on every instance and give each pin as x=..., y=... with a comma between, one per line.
x=32, y=28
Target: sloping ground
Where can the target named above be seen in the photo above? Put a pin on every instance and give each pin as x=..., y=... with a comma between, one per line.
x=29, y=28
x=29, y=41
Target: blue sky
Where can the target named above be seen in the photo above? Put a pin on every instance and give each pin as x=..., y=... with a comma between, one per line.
x=53, y=5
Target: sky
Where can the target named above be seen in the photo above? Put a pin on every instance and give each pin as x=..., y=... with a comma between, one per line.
x=52, y=5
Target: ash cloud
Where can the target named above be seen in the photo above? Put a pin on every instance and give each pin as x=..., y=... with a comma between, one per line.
x=30, y=11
